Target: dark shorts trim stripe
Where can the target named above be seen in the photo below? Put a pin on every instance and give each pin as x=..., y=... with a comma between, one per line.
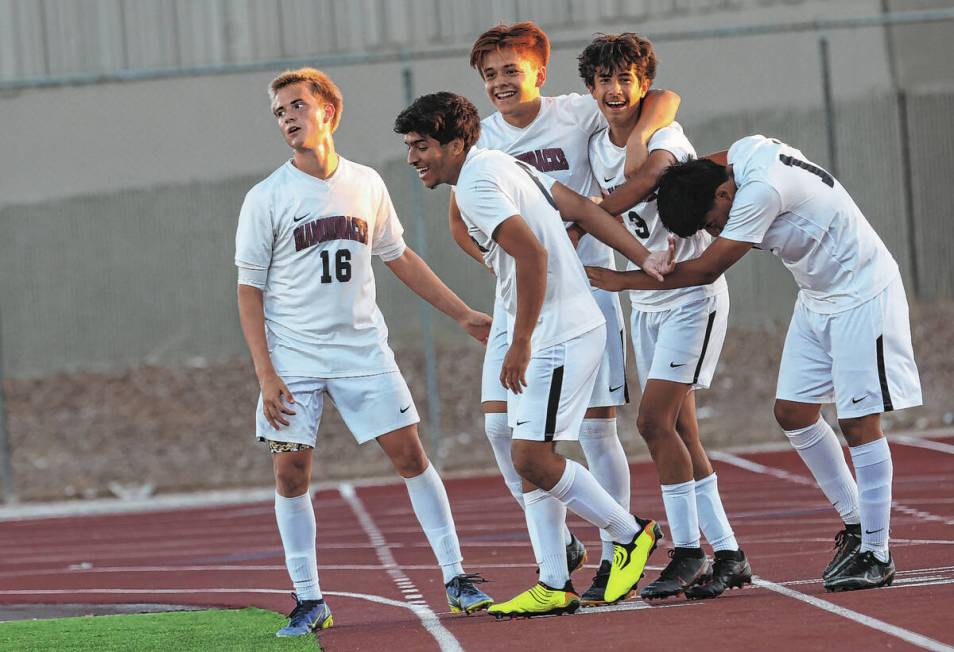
x=553, y=403
x=705, y=345
x=622, y=341
x=885, y=392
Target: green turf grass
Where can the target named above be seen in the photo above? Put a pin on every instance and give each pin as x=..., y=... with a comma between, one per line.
x=182, y=631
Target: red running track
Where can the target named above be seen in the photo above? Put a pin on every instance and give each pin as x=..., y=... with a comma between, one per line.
x=379, y=577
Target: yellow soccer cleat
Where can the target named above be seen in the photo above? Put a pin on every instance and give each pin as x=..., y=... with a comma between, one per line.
x=538, y=600
x=629, y=560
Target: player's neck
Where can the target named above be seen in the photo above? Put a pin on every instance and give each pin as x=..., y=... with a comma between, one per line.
x=320, y=162
x=523, y=114
x=619, y=133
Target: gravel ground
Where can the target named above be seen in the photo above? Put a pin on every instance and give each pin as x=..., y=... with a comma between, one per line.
x=153, y=429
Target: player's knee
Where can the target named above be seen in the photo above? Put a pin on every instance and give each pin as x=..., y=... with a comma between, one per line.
x=653, y=428
x=291, y=479
x=526, y=464
x=410, y=461
x=793, y=416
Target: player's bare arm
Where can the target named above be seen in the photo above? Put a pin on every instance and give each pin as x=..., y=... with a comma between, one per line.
x=604, y=227
x=274, y=391
x=704, y=270
x=641, y=185
x=421, y=279
x=659, y=110
x=515, y=237
x=721, y=157
x=459, y=232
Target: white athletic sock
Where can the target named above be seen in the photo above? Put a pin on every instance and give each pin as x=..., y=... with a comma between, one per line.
x=429, y=499
x=680, y=503
x=820, y=450
x=545, y=515
x=712, y=519
x=501, y=438
x=296, y=525
x=607, y=462
x=874, y=469
x=583, y=495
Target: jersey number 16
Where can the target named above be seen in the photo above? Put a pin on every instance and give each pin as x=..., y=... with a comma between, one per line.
x=342, y=265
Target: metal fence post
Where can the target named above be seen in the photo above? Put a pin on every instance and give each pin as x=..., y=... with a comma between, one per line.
x=828, y=104
x=427, y=328
x=6, y=455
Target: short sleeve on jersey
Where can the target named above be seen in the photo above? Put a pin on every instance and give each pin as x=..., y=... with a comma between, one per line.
x=674, y=141
x=586, y=112
x=755, y=207
x=486, y=205
x=254, y=236
x=387, y=241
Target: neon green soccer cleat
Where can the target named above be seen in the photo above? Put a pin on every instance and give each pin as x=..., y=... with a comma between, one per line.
x=629, y=560
x=538, y=600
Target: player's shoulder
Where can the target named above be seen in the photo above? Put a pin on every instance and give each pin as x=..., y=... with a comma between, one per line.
x=263, y=191
x=598, y=141
x=358, y=170
x=673, y=139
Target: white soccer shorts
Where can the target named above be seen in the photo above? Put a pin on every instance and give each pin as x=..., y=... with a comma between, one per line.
x=860, y=359
x=560, y=382
x=370, y=406
x=610, y=388
x=682, y=344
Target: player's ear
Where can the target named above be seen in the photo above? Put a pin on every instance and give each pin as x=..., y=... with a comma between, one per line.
x=328, y=113
x=541, y=76
x=457, y=146
x=644, y=87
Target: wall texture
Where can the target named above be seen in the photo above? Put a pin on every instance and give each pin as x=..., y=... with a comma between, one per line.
x=118, y=201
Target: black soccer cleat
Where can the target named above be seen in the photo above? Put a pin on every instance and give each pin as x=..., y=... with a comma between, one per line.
x=575, y=554
x=594, y=595
x=847, y=543
x=863, y=571
x=687, y=566
x=730, y=571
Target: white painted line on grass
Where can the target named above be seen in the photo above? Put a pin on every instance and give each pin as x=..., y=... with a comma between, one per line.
x=443, y=636
x=908, y=636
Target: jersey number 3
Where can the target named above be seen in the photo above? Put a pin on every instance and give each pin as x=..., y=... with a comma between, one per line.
x=342, y=266
x=639, y=224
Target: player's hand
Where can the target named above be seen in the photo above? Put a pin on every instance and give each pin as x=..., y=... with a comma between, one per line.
x=477, y=324
x=604, y=279
x=274, y=396
x=660, y=263
x=513, y=373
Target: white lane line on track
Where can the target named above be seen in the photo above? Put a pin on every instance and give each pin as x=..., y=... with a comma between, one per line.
x=908, y=636
x=755, y=467
x=445, y=640
x=918, y=442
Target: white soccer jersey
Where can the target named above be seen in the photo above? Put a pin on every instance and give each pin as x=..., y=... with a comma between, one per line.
x=314, y=238
x=799, y=212
x=493, y=187
x=556, y=143
x=608, y=162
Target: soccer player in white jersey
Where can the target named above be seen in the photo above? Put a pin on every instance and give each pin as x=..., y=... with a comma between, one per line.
x=556, y=336
x=849, y=341
x=551, y=134
x=677, y=334
x=306, y=299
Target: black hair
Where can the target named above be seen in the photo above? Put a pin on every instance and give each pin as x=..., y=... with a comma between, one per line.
x=442, y=116
x=609, y=53
x=686, y=193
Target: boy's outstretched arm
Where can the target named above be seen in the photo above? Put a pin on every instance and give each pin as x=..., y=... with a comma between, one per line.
x=604, y=227
x=421, y=279
x=705, y=269
x=659, y=110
